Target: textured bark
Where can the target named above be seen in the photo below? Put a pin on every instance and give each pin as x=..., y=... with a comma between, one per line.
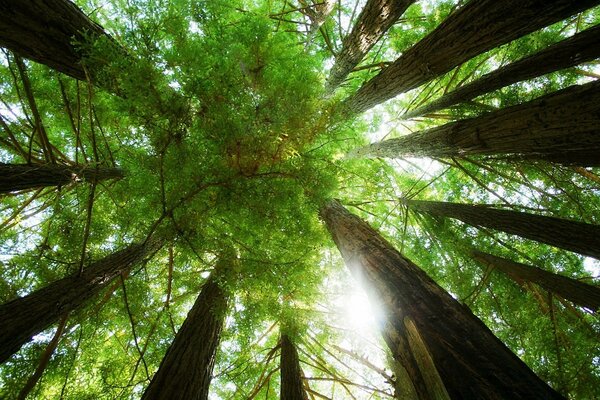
x=291, y=374
x=14, y=177
x=48, y=31
x=575, y=236
x=578, y=292
x=471, y=362
x=22, y=318
x=562, y=127
x=580, y=48
x=318, y=15
x=186, y=370
x=373, y=22
x=477, y=27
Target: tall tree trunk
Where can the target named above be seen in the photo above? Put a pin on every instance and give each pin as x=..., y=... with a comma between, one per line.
x=582, y=47
x=14, y=177
x=186, y=370
x=477, y=27
x=22, y=318
x=57, y=33
x=563, y=126
x=578, y=292
x=441, y=345
x=291, y=373
x=374, y=20
x=570, y=235
x=46, y=31
x=318, y=16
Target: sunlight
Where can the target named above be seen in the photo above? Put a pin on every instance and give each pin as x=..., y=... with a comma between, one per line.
x=592, y=266
x=275, y=160
x=360, y=314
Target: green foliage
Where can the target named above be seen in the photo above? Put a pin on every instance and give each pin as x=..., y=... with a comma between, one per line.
x=215, y=112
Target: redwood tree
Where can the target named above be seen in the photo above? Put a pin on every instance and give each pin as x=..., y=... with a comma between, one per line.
x=186, y=370
x=571, y=289
x=561, y=127
x=14, y=177
x=291, y=373
x=477, y=27
x=261, y=152
x=567, y=234
x=48, y=32
x=445, y=350
x=579, y=48
x=373, y=22
x=25, y=317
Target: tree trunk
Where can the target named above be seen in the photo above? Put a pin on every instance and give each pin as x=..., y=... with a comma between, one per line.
x=580, y=293
x=575, y=236
x=582, y=47
x=186, y=370
x=374, y=20
x=445, y=350
x=48, y=32
x=15, y=177
x=479, y=26
x=562, y=127
x=22, y=318
x=291, y=374
x=318, y=16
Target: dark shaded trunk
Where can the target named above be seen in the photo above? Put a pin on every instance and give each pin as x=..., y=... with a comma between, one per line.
x=48, y=32
x=186, y=370
x=443, y=349
x=580, y=48
x=563, y=127
x=477, y=27
x=15, y=177
x=578, y=292
x=58, y=34
x=575, y=236
x=291, y=374
x=374, y=20
x=25, y=317
x=579, y=158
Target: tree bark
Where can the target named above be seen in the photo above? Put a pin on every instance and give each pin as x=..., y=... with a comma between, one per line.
x=580, y=48
x=15, y=177
x=444, y=349
x=575, y=236
x=186, y=370
x=562, y=127
x=48, y=32
x=479, y=26
x=373, y=22
x=318, y=16
x=291, y=373
x=22, y=318
x=578, y=292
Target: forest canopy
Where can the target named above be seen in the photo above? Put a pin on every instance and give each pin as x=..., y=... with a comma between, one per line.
x=238, y=199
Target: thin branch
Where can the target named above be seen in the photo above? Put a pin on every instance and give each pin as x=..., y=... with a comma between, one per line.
x=348, y=382
x=264, y=378
x=44, y=359
x=88, y=223
x=63, y=390
x=169, y=288
x=44, y=141
x=367, y=363
x=135, y=339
